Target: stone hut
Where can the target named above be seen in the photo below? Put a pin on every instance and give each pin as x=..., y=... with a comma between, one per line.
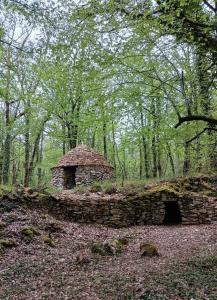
x=81, y=165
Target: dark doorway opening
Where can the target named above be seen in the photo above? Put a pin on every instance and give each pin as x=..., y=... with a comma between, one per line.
x=69, y=177
x=172, y=213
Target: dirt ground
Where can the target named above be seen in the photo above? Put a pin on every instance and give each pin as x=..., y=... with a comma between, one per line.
x=35, y=270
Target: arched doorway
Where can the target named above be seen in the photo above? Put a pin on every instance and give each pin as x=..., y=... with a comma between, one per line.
x=172, y=213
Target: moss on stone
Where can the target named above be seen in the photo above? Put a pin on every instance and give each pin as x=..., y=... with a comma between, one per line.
x=155, y=192
x=98, y=248
x=148, y=249
x=2, y=225
x=29, y=233
x=124, y=240
x=7, y=244
x=112, y=247
x=47, y=240
x=166, y=188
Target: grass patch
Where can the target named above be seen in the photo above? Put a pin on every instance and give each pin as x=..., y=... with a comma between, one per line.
x=196, y=279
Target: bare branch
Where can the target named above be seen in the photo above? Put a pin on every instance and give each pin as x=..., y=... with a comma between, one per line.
x=13, y=46
x=209, y=5
x=200, y=133
x=196, y=136
x=191, y=118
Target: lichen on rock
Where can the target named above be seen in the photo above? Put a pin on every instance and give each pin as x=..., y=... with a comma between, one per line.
x=29, y=233
x=7, y=244
x=47, y=240
x=148, y=249
x=98, y=248
x=111, y=247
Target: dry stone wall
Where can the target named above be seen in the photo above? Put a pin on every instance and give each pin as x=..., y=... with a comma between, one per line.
x=89, y=174
x=119, y=210
x=57, y=177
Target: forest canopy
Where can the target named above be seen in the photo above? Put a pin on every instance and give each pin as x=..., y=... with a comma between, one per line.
x=136, y=80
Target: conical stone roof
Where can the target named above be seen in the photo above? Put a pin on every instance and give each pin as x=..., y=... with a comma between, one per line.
x=82, y=155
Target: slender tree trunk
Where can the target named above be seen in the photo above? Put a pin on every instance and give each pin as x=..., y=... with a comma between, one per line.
x=64, y=141
x=27, y=145
x=198, y=156
x=104, y=129
x=6, y=161
x=140, y=162
x=1, y=153
x=159, y=166
x=144, y=143
x=146, y=157
x=93, y=139
x=187, y=162
x=14, y=172
x=39, y=159
x=8, y=138
x=204, y=94
x=34, y=156
x=1, y=166
x=171, y=159
x=154, y=157
x=113, y=147
x=69, y=136
x=7, y=145
x=74, y=135
x=35, y=150
x=124, y=164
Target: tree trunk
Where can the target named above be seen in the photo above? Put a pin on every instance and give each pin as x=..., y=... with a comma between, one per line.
x=159, y=166
x=154, y=157
x=93, y=139
x=1, y=166
x=36, y=150
x=27, y=145
x=14, y=172
x=113, y=147
x=7, y=145
x=144, y=143
x=146, y=157
x=171, y=159
x=140, y=162
x=204, y=94
x=187, y=163
x=104, y=129
x=64, y=141
x=39, y=160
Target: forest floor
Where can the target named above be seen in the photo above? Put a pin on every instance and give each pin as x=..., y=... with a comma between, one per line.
x=39, y=260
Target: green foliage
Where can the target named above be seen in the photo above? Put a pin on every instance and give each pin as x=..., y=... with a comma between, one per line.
x=115, y=75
